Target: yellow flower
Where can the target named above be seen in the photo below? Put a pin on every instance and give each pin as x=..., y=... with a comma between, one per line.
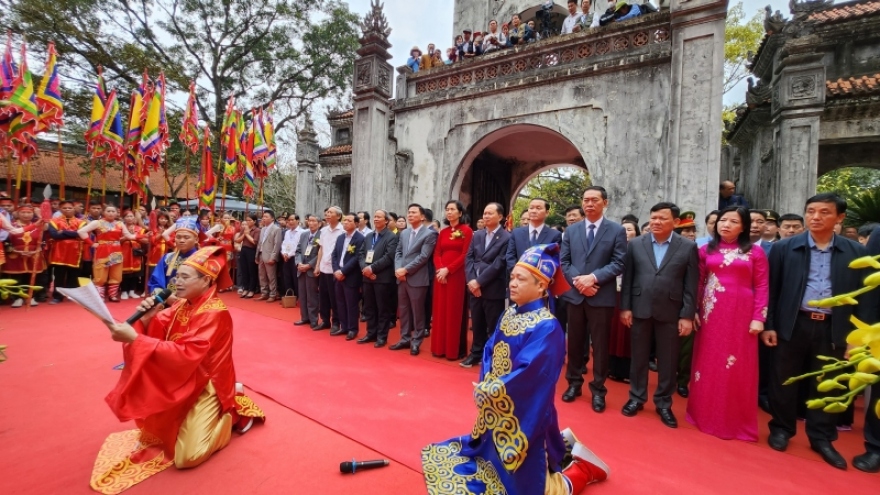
x=870, y=365
x=456, y=234
x=350, y=248
x=864, y=334
x=829, y=385
x=835, y=407
x=816, y=404
x=317, y=241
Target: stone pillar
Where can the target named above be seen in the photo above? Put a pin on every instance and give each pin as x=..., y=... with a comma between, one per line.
x=307, y=171
x=798, y=102
x=694, y=148
x=371, y=166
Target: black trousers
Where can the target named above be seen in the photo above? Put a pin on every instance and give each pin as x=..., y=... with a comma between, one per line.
x=289, y=279
x=250, y=282
x=131, y=281
x=872, y=422
x=85, y=269
x=588, y=324
x=484, y=317
x=379, y=308
x=794, y=357
x=65, y=277
x=429, y=301
x=327, y=288
x=668, y=345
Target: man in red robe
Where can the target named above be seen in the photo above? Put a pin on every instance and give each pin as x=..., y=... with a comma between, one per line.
x=178, y=383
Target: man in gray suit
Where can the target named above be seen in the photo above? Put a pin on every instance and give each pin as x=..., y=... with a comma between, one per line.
x=306, y=258
x=415, y=248
x=268, y=253
x=658, y=297
x=591, y=257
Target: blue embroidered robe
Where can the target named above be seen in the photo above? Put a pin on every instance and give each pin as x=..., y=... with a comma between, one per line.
x=516, y=439
x=165, y=270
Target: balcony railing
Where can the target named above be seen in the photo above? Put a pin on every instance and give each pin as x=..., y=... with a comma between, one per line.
x=604, y=46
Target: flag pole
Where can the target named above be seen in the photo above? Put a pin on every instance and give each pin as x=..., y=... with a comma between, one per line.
x=9, y=173
x=261, y=193
x=61, y=165
x=104, y=181
x=29, y=180
x=18, y=183
x=165, y=170
x=186, y=152
x=122, y=190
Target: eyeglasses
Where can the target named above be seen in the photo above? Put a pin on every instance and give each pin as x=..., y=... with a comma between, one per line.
x=184, y=279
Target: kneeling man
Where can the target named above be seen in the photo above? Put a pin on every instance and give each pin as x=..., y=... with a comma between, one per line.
x=178, y=382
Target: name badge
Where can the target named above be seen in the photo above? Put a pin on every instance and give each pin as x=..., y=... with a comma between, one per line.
x=308, y=250
x=369, y=258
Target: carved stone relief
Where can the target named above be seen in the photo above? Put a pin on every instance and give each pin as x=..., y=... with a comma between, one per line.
x=364, y=73
x=802, y=87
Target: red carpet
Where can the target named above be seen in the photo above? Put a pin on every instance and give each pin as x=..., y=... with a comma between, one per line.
x=345, y=400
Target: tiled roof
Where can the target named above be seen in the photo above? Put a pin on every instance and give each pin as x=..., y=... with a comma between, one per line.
x=344, y=149
x=45, y=170
x=846, y=12
x=861, y=86
x=339, y=116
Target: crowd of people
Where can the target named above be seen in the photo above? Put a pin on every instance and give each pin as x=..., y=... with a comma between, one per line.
x=723, y=319
x=515, y=32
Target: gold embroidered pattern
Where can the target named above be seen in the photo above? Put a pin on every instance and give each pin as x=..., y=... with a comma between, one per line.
x=513, y=324
x=244, y=406
x=713, y=285
x=213, y=304
x=501, y=364
x=439, y=463
x=497, y=414
x=114, y=471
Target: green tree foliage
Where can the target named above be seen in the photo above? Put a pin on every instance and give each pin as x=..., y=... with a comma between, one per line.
x=863, y=208
x=288, y=52
x=861, y=188
x=741, y=36
x=562, y=187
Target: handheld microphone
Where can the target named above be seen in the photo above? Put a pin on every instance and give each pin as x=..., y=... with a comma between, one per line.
x=160, y=298
x=353, y=466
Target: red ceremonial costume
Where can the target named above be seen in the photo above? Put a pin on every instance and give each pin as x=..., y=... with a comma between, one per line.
x=130, y=262
x=447, y=338
x=158, y=248
x=178, y=385
x=66, y=251
x=26, y=253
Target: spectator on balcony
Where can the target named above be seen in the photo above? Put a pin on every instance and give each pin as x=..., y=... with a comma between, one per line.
x=451, y=55
x=493, y=40
x=535, y=34
x=505, y=35
x=413, y=61
x=467, y=49
x=520, y=33
x=624, y=11
x=437, y=59
x=478, y=41
x=574, y=17
x=426, y=61
x=587, y=20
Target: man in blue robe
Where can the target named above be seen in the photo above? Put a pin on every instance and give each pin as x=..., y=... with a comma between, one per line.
x=516, y=447
x=186, y=242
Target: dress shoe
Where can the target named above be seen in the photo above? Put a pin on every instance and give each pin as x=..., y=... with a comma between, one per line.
x=631, y=408
x=271, y=299
x=778, y=441
x=380, y=343
x=301, y=322
x=470, y=361
x=399, y=345
x=829, y=453
x=321, y=326
x=334, y=327
x=683, y=391
x=262, y=297
x=868, y=462
x=336, y=332
x=667, y=417
x=764, y=403
x=598, y=403
x=55, y=301
x=570, y=393
x=366, y=339
x=652, y=365
x=351, y=336
x=414, y=350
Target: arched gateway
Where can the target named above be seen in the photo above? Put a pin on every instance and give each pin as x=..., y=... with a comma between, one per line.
x=636, y=103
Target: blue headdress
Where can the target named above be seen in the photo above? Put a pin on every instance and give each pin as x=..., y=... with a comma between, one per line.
x=543, y=262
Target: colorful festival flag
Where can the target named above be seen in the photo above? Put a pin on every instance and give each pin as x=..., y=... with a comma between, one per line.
x=269, y=134
x=136, y=171
x=49, y=94
x=8, y=73
x=23, y=102
x=246, y=157
x=110, y=143
x=207, y=187
x=189, y=134
x=231, y=170
x=98, y=100
x=151, y=139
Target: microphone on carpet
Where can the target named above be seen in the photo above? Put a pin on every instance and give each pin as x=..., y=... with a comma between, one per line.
x=353, y=466
x=160, y=298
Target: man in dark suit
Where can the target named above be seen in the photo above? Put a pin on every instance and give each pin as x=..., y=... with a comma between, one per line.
x=486, y=272
x=536, y=232
x=415, y=248
x=376, y=260
x=306, y=260
x=591, y=258
x=658, y=297
x=869, y=462
x=346, y=271
x=804, y=269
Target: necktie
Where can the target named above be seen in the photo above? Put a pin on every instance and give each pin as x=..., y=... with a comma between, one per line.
x=412, y=239
x=534, y=237
x=488, y=239
x=591, y=236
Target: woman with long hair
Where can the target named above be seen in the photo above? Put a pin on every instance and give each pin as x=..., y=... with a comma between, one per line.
x=447, y=339
x=133, y=255
x=620, y=352
x=248, y=237
x=732, y=303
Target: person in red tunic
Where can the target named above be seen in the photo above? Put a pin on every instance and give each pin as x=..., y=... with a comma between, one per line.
x=221, y=234
x=66, y=253
x=133, y=256
x=178, y=383
x=107, y=264
x=449, y=330
x=25, y=259
x=158, y=243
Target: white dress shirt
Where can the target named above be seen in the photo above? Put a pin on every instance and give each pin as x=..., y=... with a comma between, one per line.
x=328, y=243
x=291, y=241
